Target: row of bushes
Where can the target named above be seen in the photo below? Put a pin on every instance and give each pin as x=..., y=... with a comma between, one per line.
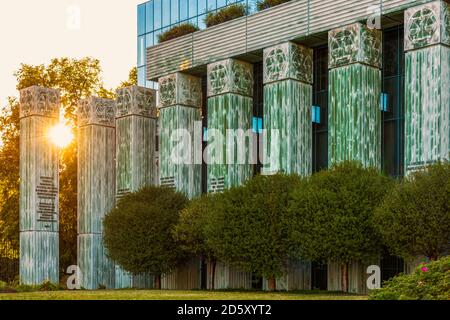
x=348, y=213
x=214, y=18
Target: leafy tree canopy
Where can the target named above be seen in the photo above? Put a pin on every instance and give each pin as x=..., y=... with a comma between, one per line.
x=248, y=227
x=332, y=214
x=138, y=233
x=414, y=219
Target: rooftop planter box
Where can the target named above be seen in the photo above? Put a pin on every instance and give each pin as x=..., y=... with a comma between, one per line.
x=266, y=4
x=225, y=14
x=177, y=31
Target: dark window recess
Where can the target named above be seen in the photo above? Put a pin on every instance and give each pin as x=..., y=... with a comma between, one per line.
x=320, y=99
x=393, y=119
x=319, y=276
x=205, y=125
x=258, y=105
x=391, y=266
x=257, y=282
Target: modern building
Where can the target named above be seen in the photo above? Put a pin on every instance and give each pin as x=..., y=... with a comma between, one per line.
x=316, y=82
x=348, y=80
x=157, y=16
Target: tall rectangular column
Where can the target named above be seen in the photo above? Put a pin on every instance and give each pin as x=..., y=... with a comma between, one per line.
x=354, y=116
x=180, y=101
x=180, y=161
x=136, y=122
x=427, y=85
x=39, y=187
x=230, y=143
x=230, y=114
x=96, y=189
x=288, y=78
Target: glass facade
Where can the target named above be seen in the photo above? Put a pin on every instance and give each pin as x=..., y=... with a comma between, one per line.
x=157, y=16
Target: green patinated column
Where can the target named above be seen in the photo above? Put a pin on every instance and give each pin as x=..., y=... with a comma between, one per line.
x=96, y=189
x=354, y=116
x=288, y=78
x=39, y=187
x=230, y=113
x=180, y=101
x=230, y=152
x=136, y=121
x=427, y=85
x=180, y=161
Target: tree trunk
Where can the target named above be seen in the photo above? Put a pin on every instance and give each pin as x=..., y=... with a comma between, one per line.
x=213, y=274
x=272, y=283
x=158, y=282
x=345, y=277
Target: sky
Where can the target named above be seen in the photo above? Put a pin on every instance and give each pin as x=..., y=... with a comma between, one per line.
x=35, y=31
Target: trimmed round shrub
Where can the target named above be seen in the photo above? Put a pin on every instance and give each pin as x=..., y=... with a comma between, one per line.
x=248, y=228
x=226, y=14
x=414, y=219
x=177, y=31
x=138, y=233
x=428, y=282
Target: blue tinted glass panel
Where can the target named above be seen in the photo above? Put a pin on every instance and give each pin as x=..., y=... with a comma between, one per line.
x=165, y=13
x=193, y=21
x=192, y=8
x=174, y=16
x=149, y=40
x=201, y=21
x=141, y=19
x=157, y=13
x=202, y=6
x=212, y=5
x=141, y=51
x=141, y=77
x=156, y=36
x=149, y=16
x=221, y=3
x=183, y=9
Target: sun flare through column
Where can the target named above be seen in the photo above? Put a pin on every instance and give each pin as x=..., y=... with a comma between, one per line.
x=61, y=135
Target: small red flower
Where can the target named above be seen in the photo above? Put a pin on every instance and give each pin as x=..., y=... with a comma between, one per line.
x=424, y=269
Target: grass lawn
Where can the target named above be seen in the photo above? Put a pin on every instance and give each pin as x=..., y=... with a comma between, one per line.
x=176, y=295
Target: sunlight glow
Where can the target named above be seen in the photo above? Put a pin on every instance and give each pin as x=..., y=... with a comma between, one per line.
x=61, y=135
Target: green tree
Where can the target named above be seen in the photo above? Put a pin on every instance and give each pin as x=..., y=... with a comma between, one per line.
x=9, y=176
x=332, y=212
x=76, y=79
x=138, y=233
x=190, y=231
x=132, y=79
x=248, y=227
x=414, y=219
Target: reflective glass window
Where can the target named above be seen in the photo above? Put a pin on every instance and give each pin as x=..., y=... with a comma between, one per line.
x=174, y=10
x=192, y=8
x=184, y=9
x=141, y=51
x=202, y=6
x=141, y=76
x=201, y=21
x=221, y=3
x=149, y=16
x=157, y=13
x=212, y=5
x=165, y=13
x=141, y=19
x=149, y=40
